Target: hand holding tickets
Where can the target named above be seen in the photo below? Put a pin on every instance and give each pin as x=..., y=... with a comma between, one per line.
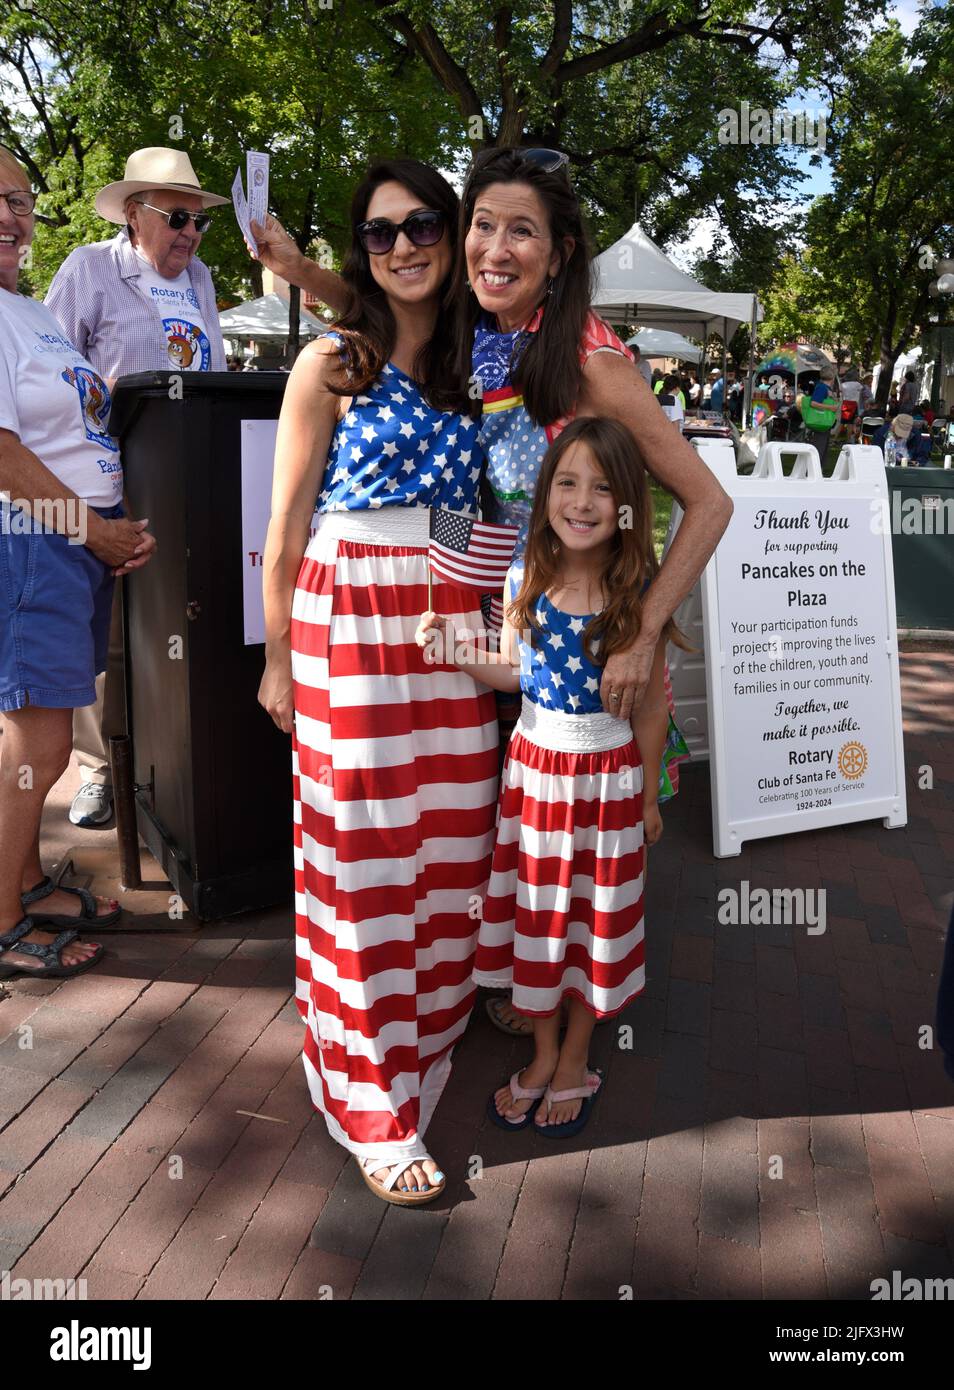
x=256, y=176
x=275, y=249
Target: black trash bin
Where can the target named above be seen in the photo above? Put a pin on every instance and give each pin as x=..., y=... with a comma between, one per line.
x=214, y=798
x=922, y=540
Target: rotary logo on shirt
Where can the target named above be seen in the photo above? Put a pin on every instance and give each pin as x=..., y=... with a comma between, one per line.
x=189, y=347
x=172, y=296
x=95, y=402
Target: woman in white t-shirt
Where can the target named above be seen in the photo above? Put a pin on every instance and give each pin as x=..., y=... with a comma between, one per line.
x=851, y=390
x=671, y=400
x=63, y=537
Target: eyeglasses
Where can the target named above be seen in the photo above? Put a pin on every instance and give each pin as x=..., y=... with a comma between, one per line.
x=422, y=228
x=21, y=202
x=547, y=161
x=178, y=218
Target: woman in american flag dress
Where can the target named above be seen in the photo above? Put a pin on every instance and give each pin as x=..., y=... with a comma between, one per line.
x=395, y=777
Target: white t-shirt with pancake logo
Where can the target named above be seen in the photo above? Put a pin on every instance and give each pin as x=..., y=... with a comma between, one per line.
x=186, y=338
x=58, y=405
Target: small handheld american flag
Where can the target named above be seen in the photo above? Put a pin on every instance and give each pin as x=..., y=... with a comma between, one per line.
x=470, y=553
x=491, y=605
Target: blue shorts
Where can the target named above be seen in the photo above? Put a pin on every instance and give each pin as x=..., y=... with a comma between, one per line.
x=55, y=605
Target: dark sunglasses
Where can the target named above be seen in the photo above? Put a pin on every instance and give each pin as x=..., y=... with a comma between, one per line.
x=422, y=228
x=179, y=218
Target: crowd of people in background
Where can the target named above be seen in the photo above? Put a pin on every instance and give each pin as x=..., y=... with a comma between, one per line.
x=902, y=429
x=694, y=390
x=904, y=434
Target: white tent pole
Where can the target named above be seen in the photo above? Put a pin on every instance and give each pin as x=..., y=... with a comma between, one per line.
x=747, y=406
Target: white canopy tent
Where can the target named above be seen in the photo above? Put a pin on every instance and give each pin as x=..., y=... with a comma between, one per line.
x=637, y=283
x=907, y=361
x=266, y=318
x=653, y=342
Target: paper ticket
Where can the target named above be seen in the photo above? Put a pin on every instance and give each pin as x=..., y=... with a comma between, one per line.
x=241, y=210
x=256, y=180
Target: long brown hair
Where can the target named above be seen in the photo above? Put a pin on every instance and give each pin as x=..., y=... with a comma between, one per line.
x=367, y=325
x=546, y=368
x=632, y=560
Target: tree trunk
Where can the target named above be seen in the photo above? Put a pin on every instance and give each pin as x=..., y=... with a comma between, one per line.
x=888, y=360
x=889, y=352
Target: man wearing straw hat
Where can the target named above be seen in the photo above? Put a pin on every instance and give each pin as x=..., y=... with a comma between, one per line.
x=142, y=301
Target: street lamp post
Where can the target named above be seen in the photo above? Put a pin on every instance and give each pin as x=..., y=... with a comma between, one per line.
x=940, y=290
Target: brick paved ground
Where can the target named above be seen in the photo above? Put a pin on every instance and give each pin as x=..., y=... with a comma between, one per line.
x=128, y=1154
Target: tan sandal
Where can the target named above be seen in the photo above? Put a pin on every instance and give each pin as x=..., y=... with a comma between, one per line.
x=387, y=1190
x=511, y=1029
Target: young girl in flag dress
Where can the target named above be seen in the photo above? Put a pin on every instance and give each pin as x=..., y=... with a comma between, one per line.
x=563, y=912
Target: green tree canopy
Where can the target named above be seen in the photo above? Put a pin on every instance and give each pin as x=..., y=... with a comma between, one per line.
x=865, y=273
x=314, y=87
x=631, y=90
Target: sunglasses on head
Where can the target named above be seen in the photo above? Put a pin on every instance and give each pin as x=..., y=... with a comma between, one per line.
x=547, y=161
x=421, y=228
x=179, y=217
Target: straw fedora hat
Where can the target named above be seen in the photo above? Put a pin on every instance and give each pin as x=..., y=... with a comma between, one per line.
x=155, y=167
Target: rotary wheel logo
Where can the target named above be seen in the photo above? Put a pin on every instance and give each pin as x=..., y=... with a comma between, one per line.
x=852, y=760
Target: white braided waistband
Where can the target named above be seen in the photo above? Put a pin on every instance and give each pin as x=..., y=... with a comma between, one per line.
x=383, y=526
x=572, y=733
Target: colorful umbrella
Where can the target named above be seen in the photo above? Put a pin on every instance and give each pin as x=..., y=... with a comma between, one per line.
x=794, y=359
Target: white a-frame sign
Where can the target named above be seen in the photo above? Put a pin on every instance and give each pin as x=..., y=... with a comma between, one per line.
x=802, y=708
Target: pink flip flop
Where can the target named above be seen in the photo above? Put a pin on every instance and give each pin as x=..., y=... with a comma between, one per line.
x=587, y=1093
x=519, y=1093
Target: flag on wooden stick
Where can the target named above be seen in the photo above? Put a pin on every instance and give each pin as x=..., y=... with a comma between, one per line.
x=491, y=605
x=470, y=553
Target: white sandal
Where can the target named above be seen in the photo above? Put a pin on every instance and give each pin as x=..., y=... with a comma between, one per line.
x=387, y=1190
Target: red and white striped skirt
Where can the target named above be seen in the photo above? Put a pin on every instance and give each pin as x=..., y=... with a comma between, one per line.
x=563, y=914
x=395, y=783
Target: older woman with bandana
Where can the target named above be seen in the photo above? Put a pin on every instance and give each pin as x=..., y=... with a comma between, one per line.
x=63, y=538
